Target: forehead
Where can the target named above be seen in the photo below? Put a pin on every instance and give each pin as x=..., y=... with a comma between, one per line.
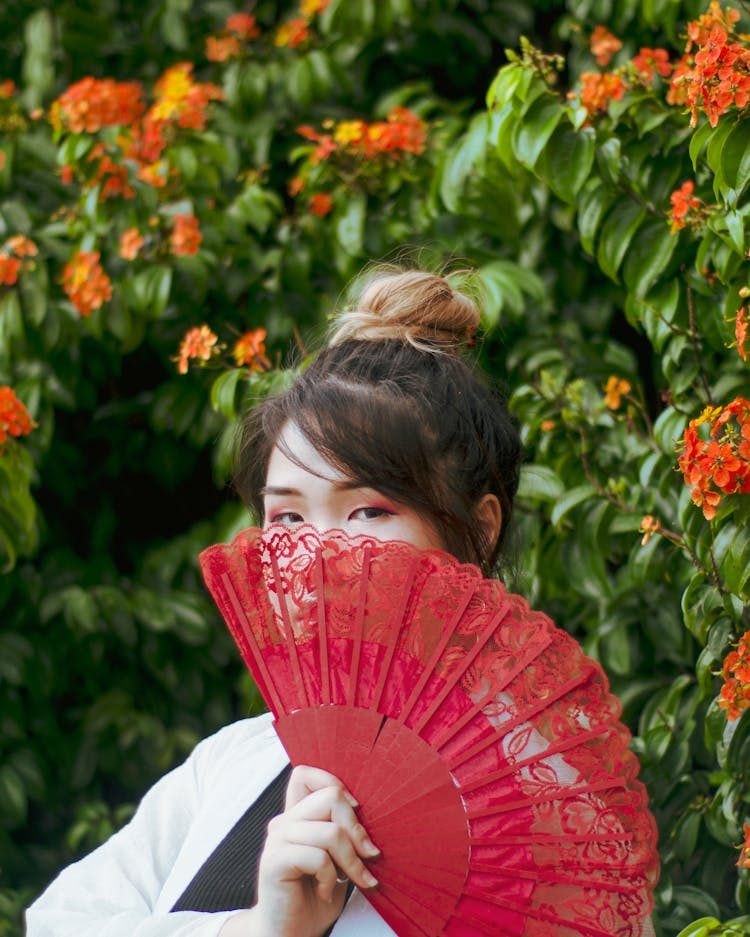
x=294, y=460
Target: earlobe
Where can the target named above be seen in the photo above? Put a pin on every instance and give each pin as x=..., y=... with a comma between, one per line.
x=490, y=517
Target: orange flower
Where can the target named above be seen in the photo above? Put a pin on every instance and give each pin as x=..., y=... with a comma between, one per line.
x=546, y=425
x=597, y=90
x=85, y=283
x=250, y=349
x=2, y=160
x=740, y=331
x=649, y=526
x=93, y=103
x=744, y=860
x=717, y=76
x=199, y=343
x=649, y=61
x=15, y=419
x=604, y=45
x=22, y=246
x=292, y=33
x=185, y=239
x=313, y=7
x=243, y=25
x=9, y=267
x=296, y=185
x=321, y=204
x=131, y=241
x=683, y=201
x=615, y=389
x=719, y=465
x=180, y=100
x=221, y=48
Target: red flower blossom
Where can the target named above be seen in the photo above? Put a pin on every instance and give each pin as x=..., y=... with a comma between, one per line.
x=8, y=89
x=720, y=464
x=250, y=350
x=313, y=7
x=321, y=204
x=604, y=45
x=9, y=267
x=740, y=331
x=683, y=201
x=85, y=283
x=243, y=25
x=181, y=101
x=292, y=33
x=93, y=103
x=598, y=89
x=649, y=61
x=131, y=241
x=198, y=343
x=14, y=417
x=185, y=239
x=744, y=860
x=649, y=526
x=22, y=246
x=221, y=48
x=615, y=389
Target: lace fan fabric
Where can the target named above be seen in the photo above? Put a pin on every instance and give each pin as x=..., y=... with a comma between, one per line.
x=484, y=747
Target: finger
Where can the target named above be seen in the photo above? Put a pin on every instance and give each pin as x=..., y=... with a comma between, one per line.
x=293, y=861
x=331, y=838
x=329, y=803
x=305, y=779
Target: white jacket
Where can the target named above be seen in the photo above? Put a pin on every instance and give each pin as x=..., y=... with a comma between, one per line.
x=126, y=887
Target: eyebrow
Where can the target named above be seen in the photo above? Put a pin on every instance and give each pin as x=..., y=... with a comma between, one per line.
x=344, y=485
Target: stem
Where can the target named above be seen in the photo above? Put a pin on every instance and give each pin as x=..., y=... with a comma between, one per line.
x=695, y=341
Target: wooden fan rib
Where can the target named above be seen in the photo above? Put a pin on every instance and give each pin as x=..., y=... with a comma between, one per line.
x=585, y=930
x=549, y=876
x=325, y=675
x=502, y=730
x=546, y=839
x=477, y=813
x=437, y=653
x=458, y=672
x=394, y=632
x=441, y=740
x=240, y=619
x=289, y=632
x=512, y=767
x=351, y=691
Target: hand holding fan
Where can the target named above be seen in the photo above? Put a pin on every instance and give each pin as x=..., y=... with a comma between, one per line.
x=483, y=747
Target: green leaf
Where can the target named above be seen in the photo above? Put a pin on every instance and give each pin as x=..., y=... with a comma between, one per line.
x=536, y=128
x=538, y=482
x=595, y=201
x=569, y=500
x=648, y=256
x=735, y=157
x=736, y=231
x=698, y=141
x=617, y=233
x=460, y=160
x=668, y=429
x=350, y=224
x=566, y=162
x=224, y=393
x=732, y=557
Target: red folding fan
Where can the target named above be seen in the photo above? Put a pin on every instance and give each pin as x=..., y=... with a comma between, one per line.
x=483, y=746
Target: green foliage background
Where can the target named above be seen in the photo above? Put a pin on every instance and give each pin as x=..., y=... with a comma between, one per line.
x=113, y=662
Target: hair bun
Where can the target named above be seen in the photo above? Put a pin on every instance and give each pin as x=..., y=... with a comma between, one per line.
x=411, y=306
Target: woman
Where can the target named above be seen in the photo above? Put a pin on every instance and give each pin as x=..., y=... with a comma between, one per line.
x=389, y=433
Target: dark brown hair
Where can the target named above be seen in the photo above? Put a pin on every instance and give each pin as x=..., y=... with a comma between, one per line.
x=392, y=404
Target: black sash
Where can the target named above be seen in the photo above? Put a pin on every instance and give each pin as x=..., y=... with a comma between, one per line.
x=227, y=880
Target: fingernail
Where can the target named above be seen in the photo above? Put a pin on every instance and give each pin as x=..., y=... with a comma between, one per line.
x=370, y=848
x=369, y=879
x=351, y=799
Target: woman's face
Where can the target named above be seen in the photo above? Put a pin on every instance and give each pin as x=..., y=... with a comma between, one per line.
x=321, y=495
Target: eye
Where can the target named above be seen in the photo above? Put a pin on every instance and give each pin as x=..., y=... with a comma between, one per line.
x=369, y=514
x=286, y=517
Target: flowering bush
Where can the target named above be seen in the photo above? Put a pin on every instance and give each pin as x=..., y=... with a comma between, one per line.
x=173, y=224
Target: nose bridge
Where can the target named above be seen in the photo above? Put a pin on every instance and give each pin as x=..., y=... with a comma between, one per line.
x=325, y=514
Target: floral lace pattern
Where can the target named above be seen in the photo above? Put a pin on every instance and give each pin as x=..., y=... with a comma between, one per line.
x=468, y=726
